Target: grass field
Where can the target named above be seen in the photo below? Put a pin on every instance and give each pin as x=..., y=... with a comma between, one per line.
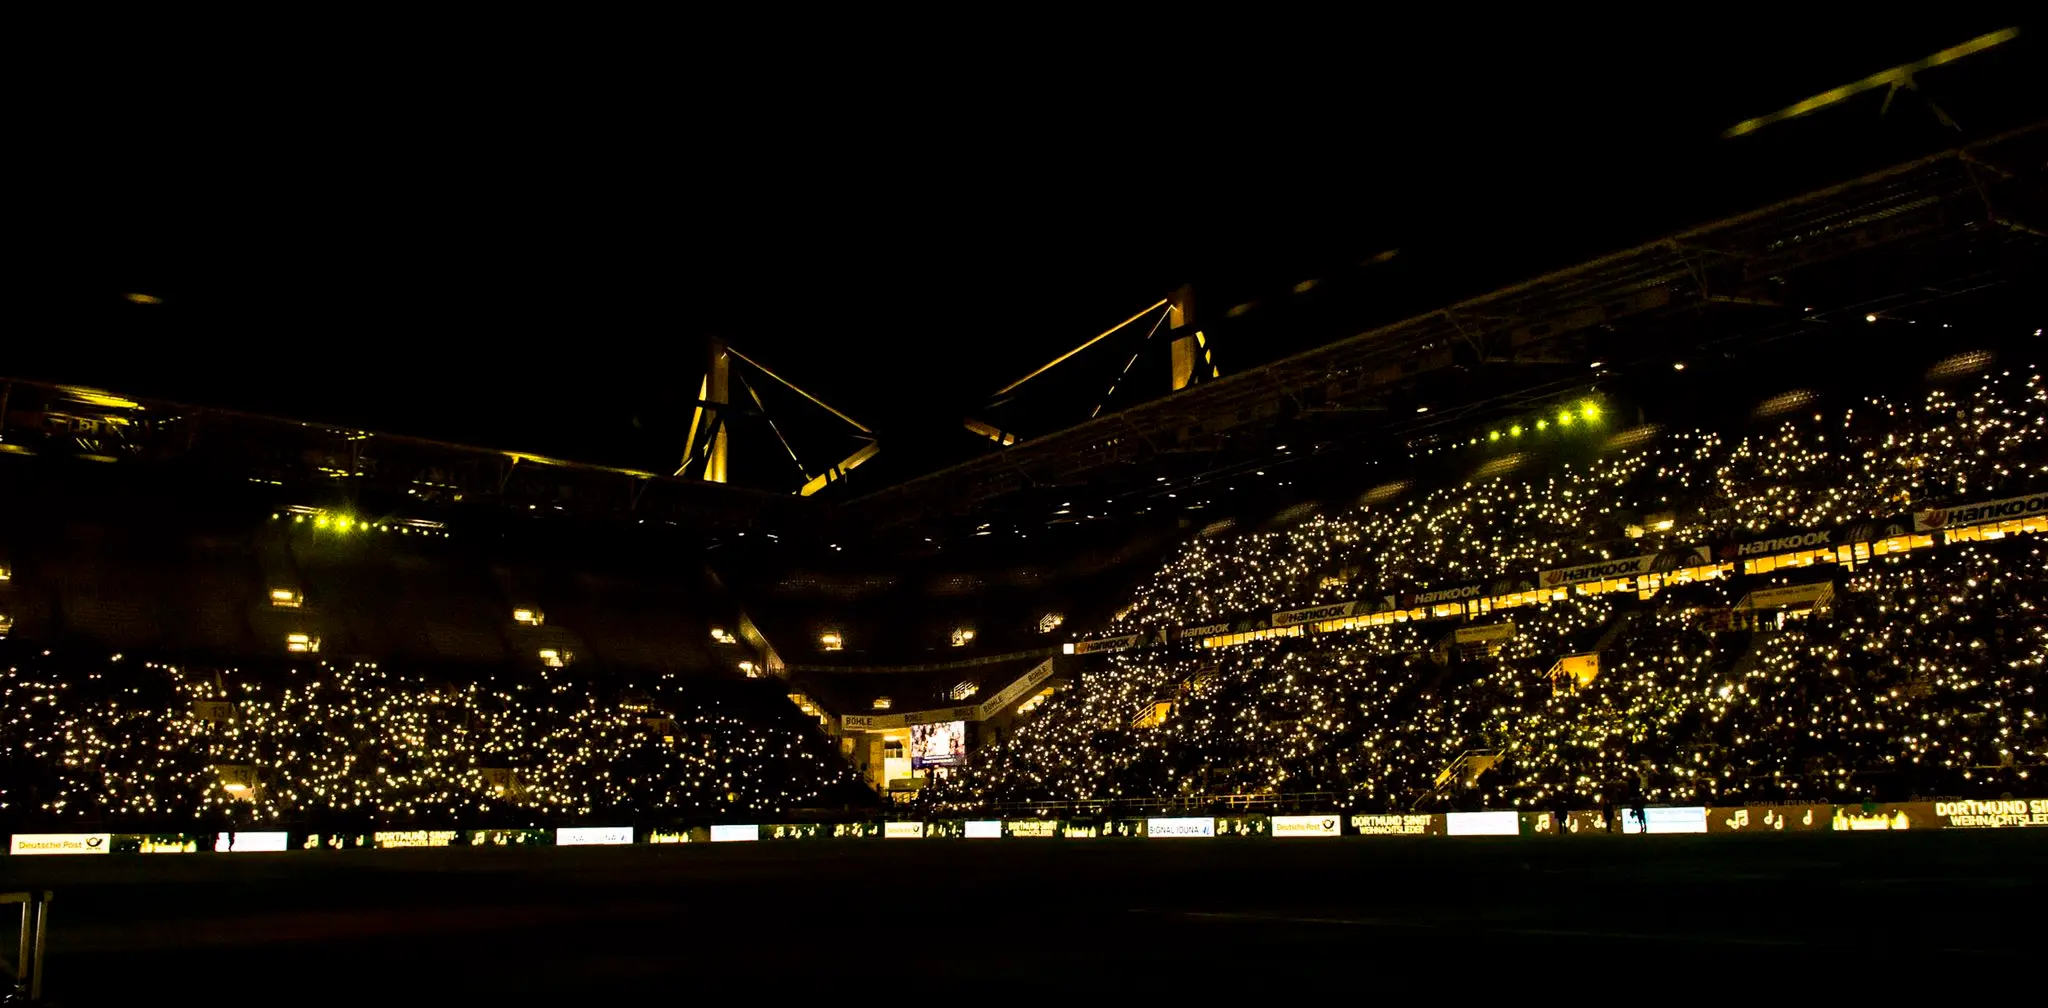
x=1052, y=917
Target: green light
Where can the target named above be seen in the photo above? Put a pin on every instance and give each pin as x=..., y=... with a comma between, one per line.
x=1590, y=410
x=1565, y=418
x=1493, y=435
x=1542, y=425
x=1515, y=431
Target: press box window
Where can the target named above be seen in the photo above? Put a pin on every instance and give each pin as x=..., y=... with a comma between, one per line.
x=528, y=617
x=286, y=598
x=299, y=643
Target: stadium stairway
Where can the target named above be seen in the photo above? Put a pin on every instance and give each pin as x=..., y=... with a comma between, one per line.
x=1617, y=626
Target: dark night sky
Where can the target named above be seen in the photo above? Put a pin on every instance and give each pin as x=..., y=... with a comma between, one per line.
x=520, y=254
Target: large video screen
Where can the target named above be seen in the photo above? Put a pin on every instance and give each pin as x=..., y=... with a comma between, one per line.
x=941, y=744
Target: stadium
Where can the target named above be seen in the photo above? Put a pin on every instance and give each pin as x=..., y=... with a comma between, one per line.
x=1736, y=531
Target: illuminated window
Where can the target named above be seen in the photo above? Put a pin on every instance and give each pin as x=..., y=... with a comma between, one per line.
x=1050, y=621
x=964, y=689
x=556, y=658
x=962, y=636
x=6, y=624
x=830, y=641
x=285, y=598
x=882, y=703
x=299, y=643
x=749, y=669
x=529, y=617
x=6, y=572
x=721, y=635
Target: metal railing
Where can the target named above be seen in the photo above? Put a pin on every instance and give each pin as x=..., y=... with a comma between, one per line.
x=27, y=967
x=1112, y=808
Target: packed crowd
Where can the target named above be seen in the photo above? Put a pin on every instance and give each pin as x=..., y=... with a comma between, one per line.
x=1923, y=678
x=111, y=740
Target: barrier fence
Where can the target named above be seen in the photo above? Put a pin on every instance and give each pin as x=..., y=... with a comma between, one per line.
x=27, y=967
x=1920, y=815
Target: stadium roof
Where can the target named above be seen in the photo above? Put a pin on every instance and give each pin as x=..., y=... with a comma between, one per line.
x=1938, y=226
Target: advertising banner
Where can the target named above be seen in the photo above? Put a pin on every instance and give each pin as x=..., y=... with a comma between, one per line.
x=793, y=831
x=736, y=834
x=1105, y=644
x=1769, y=818
x=1585, y=821
x=160, y=843
x=1818, y=595
x=1014, y=692
x=61, y=843
x=1243, y=826
x=267, y=842
x=903, y=830
x=1996, y=814
x=517, y=838
x=593, y=836
x=1630, y=567
x=1440, y=595
x=1660, y=819
x=1980, y=513
x=1878, y=817
x=882, y=722
x=1397, y=824
x=1784, y=542
x=1482, y=824
x=1482, y=634
x=1187, y=826
x=984, y=829
x=1307, y=825
x=387, y=839
x=1031, y=828
x=1314, y=614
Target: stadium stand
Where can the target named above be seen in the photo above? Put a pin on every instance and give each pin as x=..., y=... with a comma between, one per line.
x=1916, y=673
x=1906, y=668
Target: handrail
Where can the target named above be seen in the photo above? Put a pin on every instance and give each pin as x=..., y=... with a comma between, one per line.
x=27, y=968
x=1112, y=807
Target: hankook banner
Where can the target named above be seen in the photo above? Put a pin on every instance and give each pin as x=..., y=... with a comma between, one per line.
x=1630, y=567
x=1314, y=614
x=1105, y=644
x=1448, y=593
x=1980, y=513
